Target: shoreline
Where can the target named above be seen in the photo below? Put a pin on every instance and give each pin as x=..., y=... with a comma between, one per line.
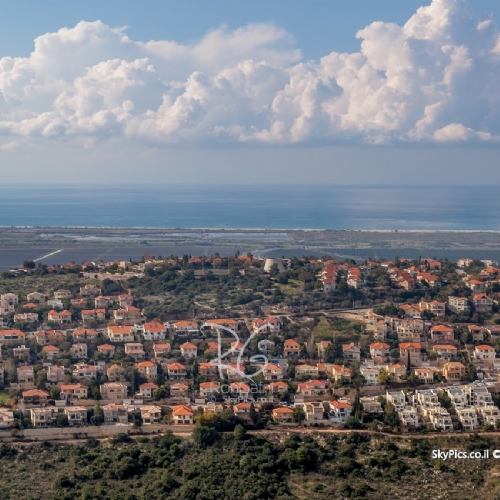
x=248, y=229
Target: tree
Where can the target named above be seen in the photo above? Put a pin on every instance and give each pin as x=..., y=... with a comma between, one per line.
x=299, y=415
x=239, y=432
x=253, y=414
x=62, y=421
x=384, y=377
x=29, y=264
x=55, y=393
x=98, y=415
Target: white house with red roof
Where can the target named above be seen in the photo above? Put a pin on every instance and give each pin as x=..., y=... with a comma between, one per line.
x=189, y=350
x=340, y=411
x=482, y=303
x=484, y=353
x=152, y=330
x=379, y=350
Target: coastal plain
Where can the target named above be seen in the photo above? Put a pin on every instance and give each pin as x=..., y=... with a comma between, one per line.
x=56, y=245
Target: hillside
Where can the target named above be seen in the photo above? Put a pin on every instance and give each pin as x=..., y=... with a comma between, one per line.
x=239, y=466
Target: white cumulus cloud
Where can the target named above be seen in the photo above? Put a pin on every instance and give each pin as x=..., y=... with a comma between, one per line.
x=434, y=79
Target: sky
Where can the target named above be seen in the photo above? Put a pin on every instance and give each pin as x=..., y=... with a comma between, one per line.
x=224, y=92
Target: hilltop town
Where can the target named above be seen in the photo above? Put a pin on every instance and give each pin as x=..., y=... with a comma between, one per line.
x=400, y=346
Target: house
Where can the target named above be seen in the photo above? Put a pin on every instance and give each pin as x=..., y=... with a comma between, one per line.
x=208, y=388
x=59, y=316
x=484, y=353
x=306, y=371
x=62, y=294
x=115, y=373
x=283, y=415
x=154, y=331
x=442, y=333
x=409, y=418
x=176, y=371
x=146, y=390
x=25, y=374
x=147, y=369
x=341, y=373
x=90, y=291
x=8, y=303
x=125, y=300
x=114, y=413
x=459, y=305
x=69, y=392
x=161, y=350
x=291, y=348
x=41, y=417
x=208, y=370
x=82, y=370
x=482, y=303
x=227, y=323
x=178, y=389
x=150, y=414
x=312, y=388
x=351, y=351
x=397, y=371
x=55, y=374
x=411, y=310
x=21, y=352
x=322, y=347
x=120, y=334
x=265, y=346
x=78, y=351
x=47, y=337
x=413, y=349
x=35, y=396
x=7, y=336
x=439, y=419
x=477, y=333
x=113, y=391
x=279, y=387
x=445, y=351
x=189, y=350
x=457, y=397
x=106, y=349
x=468, y=418
x=77, y=415
x=425, y=375
x=268, y=325
x=135, y=350
x=397, y=399
x=370, y=374
x=464, y=262
x=103, y=301
x=476, y=285
x=242, y=410
x=240, y=389
x=340, y=411
x=435, y=307
x=379, y=350
x=84, y=334
x=185, y=327
x=314, y=413
x=182, y=415
x=371, y=405
x=129, y=314
x=453, y=370
x=55, y=304
x=237, y=347
x=26, y=317
x=51, y=352
x=489, y=415
x=36, y=297
x=409, y=330
x=273, y=372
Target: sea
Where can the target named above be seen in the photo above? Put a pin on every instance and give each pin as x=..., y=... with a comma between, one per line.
x=253, y=206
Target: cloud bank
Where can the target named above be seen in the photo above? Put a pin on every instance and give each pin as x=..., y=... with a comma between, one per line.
x=434, y=80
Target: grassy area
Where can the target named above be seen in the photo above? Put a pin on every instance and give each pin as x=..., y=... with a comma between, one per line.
x=5, y=399
x=293, y=287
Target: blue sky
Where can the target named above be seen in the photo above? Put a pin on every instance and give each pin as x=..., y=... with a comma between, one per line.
x=319, y=26
x=340, y=91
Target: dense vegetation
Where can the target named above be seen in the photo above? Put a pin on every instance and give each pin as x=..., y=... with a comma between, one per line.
x=237, y=465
